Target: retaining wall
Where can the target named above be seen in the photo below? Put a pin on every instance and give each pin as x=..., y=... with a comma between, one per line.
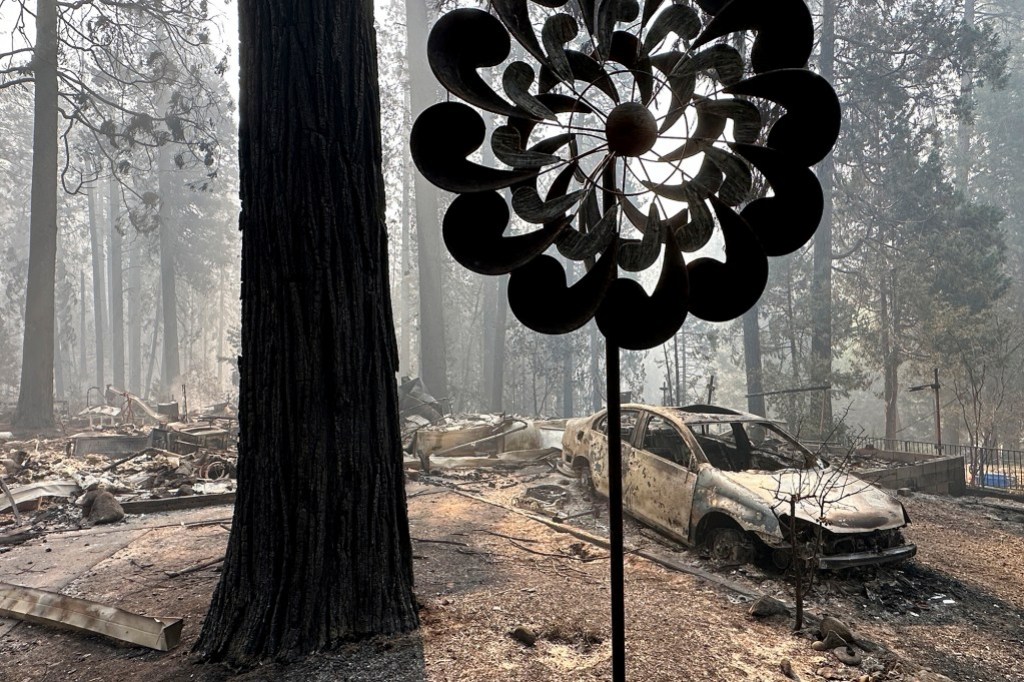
x=939, y=476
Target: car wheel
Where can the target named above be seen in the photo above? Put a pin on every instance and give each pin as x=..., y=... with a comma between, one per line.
x=731, y=546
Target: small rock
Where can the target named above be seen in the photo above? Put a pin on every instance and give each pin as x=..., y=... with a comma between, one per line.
x=766, y=607
x=905, y=492
x=185, y=490
x=524, y=634
x=105, y=508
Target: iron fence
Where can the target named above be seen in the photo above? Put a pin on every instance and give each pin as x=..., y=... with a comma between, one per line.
x=997, y=469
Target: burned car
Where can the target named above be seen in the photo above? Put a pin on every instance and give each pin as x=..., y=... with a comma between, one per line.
x=738, y=485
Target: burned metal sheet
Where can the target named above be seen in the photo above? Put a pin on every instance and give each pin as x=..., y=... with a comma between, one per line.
x=25, y=494
x=49, y=608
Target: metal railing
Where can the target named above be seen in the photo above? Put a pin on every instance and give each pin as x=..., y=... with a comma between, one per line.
x=996, y=469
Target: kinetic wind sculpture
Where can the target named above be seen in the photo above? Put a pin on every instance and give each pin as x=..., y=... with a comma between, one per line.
x=637, y=132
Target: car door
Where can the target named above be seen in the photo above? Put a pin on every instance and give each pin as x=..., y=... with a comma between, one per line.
x=661, y=478
x=597, y=447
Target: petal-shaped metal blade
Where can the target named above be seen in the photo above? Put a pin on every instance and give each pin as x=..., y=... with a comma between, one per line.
x=507, y=145
x=724, y=291
x=809, y=128
x=462, y=41
x=631, y=319
x=785, y=31
x=575, y=245
x=787, y=220
x=442, y=138
x=473, y=232
x=636, y=255
x=539, y=296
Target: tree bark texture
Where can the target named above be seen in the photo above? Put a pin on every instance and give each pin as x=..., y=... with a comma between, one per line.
x=116, y=291
x=319, y=550
x=99, y=289
x=821, y=281
x=35, y=396
x=430, y=258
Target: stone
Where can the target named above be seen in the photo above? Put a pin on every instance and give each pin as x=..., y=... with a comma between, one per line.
x=105, y=508
x=524, y=634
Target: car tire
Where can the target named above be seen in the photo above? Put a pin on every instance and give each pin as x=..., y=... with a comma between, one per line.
x=731, y=546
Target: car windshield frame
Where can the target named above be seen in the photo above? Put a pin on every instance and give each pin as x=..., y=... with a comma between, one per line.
x=773, y=451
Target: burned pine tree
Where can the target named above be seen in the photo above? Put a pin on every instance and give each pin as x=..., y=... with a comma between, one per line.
x=320, y=549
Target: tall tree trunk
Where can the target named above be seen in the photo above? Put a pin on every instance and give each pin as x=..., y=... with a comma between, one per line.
x=35, y=396
x=152, y=347
x=320, y=549
x=821, y=281
x=135, y=316
x=596, y=380
x=221, y=285
x=753, y=362
x=490, y=285
x=99, y=288
x=963, y=132
x=498, y=349
x=83, y=358
x=58, y=365
x=405, y=358
x=890, y=363
x=170, y=367
x=423, y=90
x=116, y=290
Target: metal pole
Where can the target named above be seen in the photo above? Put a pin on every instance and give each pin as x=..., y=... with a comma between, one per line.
x=938, y=415
x=615, y=513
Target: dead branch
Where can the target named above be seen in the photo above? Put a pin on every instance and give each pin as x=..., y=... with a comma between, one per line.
x=194, y=569
x=441, y=542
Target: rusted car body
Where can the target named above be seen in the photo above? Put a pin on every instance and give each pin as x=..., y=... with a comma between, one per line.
x=739, y=485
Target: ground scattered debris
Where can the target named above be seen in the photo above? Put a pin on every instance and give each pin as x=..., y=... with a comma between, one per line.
x=145, y=465
x=49, y=608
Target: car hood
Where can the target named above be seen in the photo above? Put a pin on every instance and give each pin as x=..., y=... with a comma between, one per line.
x=851, y=504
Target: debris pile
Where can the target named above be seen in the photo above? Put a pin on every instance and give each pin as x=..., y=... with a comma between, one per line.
x=98, y=475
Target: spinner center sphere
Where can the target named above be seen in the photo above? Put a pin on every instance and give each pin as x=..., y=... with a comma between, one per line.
x=631, y=129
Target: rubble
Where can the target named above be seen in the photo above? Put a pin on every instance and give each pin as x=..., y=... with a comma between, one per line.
x=130, y=468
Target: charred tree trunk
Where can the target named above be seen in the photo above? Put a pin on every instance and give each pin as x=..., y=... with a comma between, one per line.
x=116, y=292
x=433, y=355
x=320, y=549
x=752, y=360
x=99, y=288
x=35, y=396
x=821, y=281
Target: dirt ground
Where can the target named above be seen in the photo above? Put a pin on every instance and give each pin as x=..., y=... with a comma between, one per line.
x=483, y=570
